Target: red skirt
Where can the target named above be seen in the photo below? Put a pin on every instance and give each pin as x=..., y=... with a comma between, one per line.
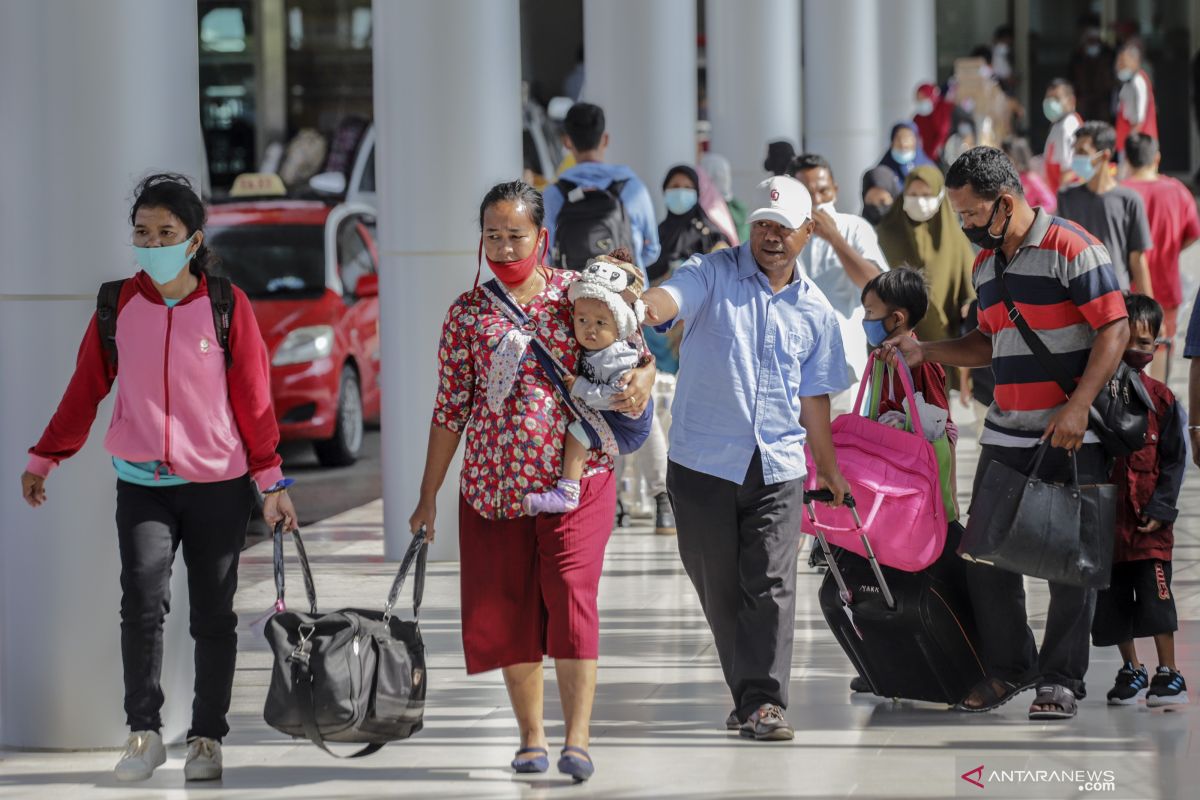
x=529, y=584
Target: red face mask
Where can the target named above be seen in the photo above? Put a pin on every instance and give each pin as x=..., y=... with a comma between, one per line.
x=514, y=273
x=1138, y=359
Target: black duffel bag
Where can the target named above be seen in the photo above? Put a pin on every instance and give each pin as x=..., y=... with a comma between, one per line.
x=1063, y=533
x=351, y=675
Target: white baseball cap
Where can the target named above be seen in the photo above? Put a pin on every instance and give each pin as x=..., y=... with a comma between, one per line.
x=784, y=200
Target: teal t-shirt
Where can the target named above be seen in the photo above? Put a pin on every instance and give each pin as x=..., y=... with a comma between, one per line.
x=142, y=472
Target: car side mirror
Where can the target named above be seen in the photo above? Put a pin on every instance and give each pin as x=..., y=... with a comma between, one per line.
x=368, y=286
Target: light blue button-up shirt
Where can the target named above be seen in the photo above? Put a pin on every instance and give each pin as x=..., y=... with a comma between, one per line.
x=748, y=356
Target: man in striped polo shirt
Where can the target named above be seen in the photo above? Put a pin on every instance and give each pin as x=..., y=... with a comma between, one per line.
x=1062, y=281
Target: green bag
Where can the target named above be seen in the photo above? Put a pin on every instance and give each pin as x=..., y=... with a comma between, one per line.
x=941, y=446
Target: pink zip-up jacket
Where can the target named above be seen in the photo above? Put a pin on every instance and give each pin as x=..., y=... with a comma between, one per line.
x=173, y=399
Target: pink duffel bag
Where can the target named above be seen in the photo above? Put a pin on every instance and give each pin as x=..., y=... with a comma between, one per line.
x=893, y=475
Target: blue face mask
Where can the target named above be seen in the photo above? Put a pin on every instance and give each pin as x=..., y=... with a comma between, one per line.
x=876, y=332
x=680, y=200
x=904, y=156
x=1083, y=167
x=163, y=264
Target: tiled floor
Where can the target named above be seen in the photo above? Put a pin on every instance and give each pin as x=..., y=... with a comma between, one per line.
x=661, y=703
x=660, y=706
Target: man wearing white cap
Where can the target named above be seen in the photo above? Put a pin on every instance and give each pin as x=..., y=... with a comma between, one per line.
x=761, y=354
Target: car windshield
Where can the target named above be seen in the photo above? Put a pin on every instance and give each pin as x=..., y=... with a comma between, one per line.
x=268, y=261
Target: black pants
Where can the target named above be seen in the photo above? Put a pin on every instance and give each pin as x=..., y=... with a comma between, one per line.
x=209, y=519
x=1007, y=646
x=738, y=544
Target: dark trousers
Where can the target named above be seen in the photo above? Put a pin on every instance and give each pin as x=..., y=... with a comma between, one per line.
x=209, y=519
x=1007, y=646
x=738, y=544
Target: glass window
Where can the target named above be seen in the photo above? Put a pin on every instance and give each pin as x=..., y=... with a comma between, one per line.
x=354, y=259
x=271, y=261
x=368, y=176
x=223, y=30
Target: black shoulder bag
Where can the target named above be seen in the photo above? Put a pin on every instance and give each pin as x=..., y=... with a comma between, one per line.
x=1120, y=414
x=351, y=675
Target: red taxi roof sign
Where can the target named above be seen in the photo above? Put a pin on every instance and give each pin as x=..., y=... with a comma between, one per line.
x=258, y=184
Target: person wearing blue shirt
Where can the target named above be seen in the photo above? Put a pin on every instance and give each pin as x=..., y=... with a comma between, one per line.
x=761, y=354
x=587, y=140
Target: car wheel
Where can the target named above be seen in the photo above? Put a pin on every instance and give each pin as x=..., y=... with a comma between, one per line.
x=342, y=450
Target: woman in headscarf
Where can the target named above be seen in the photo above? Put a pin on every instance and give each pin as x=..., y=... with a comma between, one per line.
x=880, y=188
x=718, y=169
x=932, y=119
x=687, y=230
x=905, y=153
x=922, y=231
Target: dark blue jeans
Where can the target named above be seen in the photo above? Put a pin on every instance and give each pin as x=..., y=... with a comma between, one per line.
x=209, y=520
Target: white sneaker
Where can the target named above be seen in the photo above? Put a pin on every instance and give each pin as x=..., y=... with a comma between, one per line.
x=203, y=760
x=144, y=752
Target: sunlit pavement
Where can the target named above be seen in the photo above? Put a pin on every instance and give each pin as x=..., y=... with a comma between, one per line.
x=661, y=703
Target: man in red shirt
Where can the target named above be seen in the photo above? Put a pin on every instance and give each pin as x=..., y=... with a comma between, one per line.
x=1136, y=112
x=1174, y=225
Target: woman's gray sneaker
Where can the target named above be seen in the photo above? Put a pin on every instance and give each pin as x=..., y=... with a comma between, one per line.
x=144, y=752
x=203, y=760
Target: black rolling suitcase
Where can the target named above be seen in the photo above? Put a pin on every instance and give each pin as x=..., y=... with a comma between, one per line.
x=909, y=634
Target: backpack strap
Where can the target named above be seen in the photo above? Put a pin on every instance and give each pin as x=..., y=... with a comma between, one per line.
x=108, y=301
x=616, y=188
x=220, y=296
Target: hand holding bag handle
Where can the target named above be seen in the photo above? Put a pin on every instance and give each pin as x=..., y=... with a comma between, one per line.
x=305, y=570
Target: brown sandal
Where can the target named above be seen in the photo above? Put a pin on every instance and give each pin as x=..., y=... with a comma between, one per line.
x=990, y=694
x=1059, y=696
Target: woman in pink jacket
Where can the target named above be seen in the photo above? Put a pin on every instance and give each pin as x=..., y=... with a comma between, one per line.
x=193, y=418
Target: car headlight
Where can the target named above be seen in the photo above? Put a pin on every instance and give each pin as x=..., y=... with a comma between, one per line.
x=303, y=345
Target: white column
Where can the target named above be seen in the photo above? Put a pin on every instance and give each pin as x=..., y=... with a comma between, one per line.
x=641, y=69
x=753, y=59
x=95, y=96
x=841, y=90
x=448, y=118
x=907, y=56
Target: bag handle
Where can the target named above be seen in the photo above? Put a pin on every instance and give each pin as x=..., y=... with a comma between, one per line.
x=914, y=414
x=824, y=496
x=305, y=570
x=418, y=552
x=1035, y=464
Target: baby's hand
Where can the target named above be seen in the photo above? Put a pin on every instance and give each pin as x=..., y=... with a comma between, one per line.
x=569, y=380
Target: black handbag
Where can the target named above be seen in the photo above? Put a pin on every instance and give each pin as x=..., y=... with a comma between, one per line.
x=1120, y=414
x=351, y=675
x=1063, y=533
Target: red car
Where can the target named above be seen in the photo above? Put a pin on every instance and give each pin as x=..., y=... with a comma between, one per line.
x=311, y=272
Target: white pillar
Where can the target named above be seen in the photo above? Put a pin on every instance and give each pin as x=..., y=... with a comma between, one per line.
x=448, y=119
x=641, y=69
x=907, y=56
x=841, y=90
x=95, y=95
x=753, y=60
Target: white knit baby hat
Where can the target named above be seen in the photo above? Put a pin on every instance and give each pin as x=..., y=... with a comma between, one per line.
x=603, y=279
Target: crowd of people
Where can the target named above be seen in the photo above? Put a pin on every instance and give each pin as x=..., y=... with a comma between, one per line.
x=764, y=312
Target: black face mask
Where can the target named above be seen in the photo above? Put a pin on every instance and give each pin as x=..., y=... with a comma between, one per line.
x=874, y=213
x=982, y=237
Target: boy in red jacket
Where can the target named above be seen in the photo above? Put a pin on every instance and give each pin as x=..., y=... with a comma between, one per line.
x=1138, y=603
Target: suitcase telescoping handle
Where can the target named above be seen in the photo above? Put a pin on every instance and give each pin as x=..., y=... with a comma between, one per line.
x=826, y=496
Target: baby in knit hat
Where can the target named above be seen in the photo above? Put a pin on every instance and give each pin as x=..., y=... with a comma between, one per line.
x=604, y=320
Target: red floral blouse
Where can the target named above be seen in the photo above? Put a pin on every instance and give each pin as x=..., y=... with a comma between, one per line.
x=517, y=449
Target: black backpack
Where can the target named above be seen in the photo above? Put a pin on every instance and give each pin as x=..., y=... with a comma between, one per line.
x=592, y=223
x=220, y=294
